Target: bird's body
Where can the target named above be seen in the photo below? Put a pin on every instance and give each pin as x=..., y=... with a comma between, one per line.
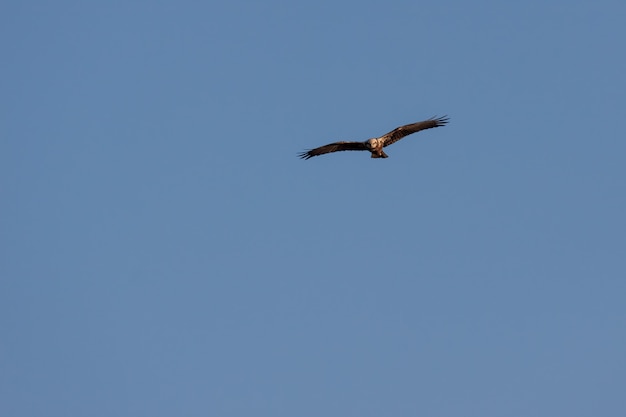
x=375, y=145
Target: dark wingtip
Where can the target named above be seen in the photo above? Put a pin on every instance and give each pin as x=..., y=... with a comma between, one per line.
x=305, y=155
x=441, y=121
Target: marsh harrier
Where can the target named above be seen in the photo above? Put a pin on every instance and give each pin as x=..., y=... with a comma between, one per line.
x=376, y=145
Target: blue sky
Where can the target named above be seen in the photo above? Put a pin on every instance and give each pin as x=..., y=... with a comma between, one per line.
x=163, y=251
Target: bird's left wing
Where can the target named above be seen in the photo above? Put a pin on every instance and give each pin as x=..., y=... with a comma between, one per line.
x=402, y=131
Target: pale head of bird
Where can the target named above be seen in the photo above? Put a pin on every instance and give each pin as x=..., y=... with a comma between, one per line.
x=371, y=143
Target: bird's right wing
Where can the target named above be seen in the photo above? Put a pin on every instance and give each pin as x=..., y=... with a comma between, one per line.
x=334, y=147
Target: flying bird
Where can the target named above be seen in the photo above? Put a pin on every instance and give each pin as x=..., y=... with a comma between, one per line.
x=376, y=145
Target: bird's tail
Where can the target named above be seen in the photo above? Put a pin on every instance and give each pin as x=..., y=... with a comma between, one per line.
x=379, y=155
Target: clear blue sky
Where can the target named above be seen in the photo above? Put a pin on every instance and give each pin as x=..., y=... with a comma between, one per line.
x=163, y=251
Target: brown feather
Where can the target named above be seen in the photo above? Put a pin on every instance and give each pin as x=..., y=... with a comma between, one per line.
x=334, y=147
x=402, y=131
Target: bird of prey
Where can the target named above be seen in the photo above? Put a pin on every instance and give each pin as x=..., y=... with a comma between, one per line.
x=376, y=145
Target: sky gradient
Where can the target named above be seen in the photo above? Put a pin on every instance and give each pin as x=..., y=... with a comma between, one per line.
x=163, y=251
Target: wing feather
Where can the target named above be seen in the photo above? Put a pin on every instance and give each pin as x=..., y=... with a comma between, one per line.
x=402, y=131
x=333, y=147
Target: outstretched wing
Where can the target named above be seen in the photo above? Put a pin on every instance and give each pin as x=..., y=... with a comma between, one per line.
x=402, y=131
x=333, y=147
